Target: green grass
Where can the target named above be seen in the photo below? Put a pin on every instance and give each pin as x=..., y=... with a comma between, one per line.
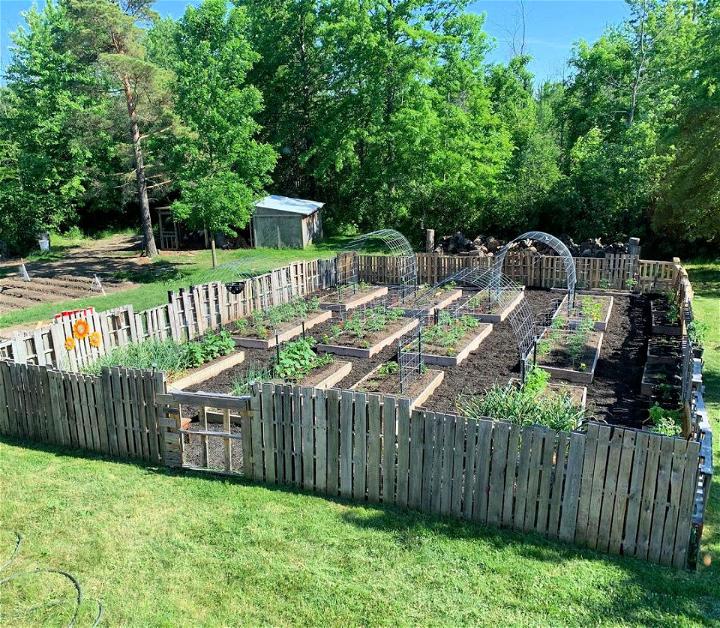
x=170, y=272
x=168, y=549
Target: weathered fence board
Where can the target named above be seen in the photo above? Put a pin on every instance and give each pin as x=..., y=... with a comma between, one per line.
x=615, y=490
x=114, y=413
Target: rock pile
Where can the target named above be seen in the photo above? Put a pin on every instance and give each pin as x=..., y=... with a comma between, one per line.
x=488, y=246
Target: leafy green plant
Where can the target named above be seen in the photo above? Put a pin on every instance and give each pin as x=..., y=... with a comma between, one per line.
x=664, y=421
x=297, y=359
x=193, y=354
x=363, y=323
x=261, y=322
x=215, y=344
x=388, y=368
x=591, y=308
x=697, y=332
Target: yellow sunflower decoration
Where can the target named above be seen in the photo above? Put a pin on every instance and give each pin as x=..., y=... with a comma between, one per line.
x=81, y=329
x=95, y=339
x=69, y=343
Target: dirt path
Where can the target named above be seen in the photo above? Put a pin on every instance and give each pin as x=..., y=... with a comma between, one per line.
x=72, y=276
x=106, y=257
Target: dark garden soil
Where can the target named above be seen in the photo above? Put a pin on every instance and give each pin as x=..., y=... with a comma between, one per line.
x=390, y=384
x=613, y=396
x=665, y=348
x=481, y=302
x=660, y=309
x=345, y=295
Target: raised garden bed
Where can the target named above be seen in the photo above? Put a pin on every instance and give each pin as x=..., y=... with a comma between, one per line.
x=385, y=380
x=595, y=307
x=265, y=328
x=491, y=306
x=661, y=380
x=571, y=354
x=664, y=350
x=451, y=340
x=366, y=333
x=206, y=371
x=297, y=363
x=349, y=297
x=665, y=315
x=426, y=300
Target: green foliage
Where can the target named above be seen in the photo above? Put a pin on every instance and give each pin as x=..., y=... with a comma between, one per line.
x=697, y=333
x=242, y=385
x=532, y=404
x=297, y=359
x=221, y=168
x=388, y=368
x=448, y=331
x=389, y=111
x=261, y=322
x=664, y=421
x=365, y=322
x=166, y=355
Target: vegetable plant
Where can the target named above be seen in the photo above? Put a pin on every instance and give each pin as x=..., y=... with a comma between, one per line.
x=261, y=322
x=664, y=421
x=448, y=331
x=297, y=359
x=363, y=323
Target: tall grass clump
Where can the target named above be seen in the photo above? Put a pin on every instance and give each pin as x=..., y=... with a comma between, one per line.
x=166, y=355
x=531, y=404
x=163, y=355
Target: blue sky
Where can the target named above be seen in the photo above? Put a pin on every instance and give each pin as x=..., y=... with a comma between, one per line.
x=552, y=26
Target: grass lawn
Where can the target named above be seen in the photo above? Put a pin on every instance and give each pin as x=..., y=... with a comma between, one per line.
x=159, y=548
x=173, y=271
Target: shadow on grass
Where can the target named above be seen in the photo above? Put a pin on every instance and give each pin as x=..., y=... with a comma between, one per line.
x=640, y=592
x=705, y=278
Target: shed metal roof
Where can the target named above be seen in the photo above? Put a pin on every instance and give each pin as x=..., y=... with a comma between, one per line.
x=293, y=205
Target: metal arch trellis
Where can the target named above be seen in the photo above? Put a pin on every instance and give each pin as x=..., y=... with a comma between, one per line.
x=502, y=290
x=396, y=245
x=557, y=245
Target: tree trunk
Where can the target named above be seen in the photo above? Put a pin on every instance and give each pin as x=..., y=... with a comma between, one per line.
x=145, y=217
x=212, y=249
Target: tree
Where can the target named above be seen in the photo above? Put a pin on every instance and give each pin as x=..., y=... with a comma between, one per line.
x=110, y=34
x=690, y=202
x=220, y=167
x=52, y=118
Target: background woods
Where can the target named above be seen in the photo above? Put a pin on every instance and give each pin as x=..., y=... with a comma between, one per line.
x=389, y=111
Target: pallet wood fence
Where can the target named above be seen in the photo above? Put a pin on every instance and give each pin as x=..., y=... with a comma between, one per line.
x=530, y=269
x=189, y=313
x=614, y=490
x=114, y=413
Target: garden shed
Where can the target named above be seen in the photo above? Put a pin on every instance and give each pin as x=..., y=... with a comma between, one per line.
x=282, y=222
